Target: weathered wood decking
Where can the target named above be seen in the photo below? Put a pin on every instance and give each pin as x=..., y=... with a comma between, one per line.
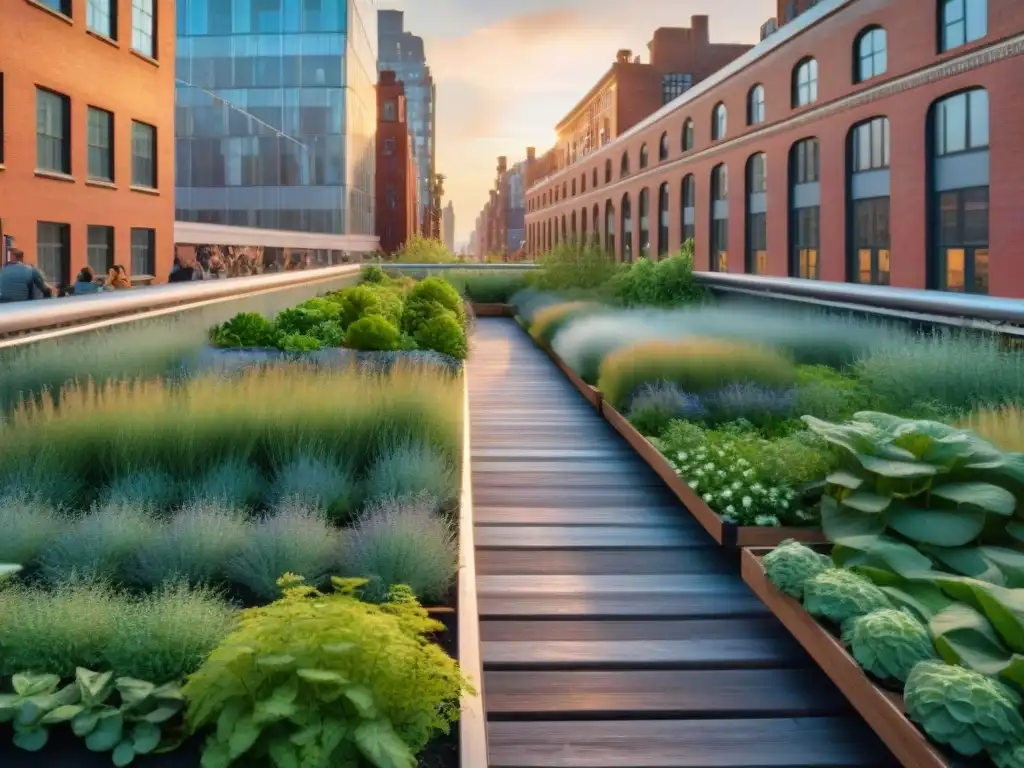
x=614, y=632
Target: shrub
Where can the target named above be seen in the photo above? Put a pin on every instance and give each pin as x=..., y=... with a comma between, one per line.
x=304, y=319
x=366, y=674
x=423, y=250
x=666, y=283
x=486, y=288
x=548, y=321
x=358, y=302
x=406, y=468
x=233, y=482
x=151, y=488
x=298, y=343
x=443, y=333
x=888, y=643
x=101, y=544
x=160, y=637
x=246, y=329
x=372, y=334
x=428, y=299
x=839, y=595
x=791, y=564
x=573, y=265
x=329, y=334
x=827, y=394
x=373, y=274
x=312, y=478
x=698, y=366
x=293, y=539
x=402, y=542
x=192, y=547
x=28, y=525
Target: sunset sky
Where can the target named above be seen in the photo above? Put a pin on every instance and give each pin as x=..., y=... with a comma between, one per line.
x=507, y=70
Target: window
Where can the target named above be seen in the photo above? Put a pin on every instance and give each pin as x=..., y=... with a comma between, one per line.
x=806, y=162
x=757, y=215
x=871, y=241
x=583, y=225
x=572, y=226
x=674, y=85
x=595, y=175
x=565, y=191
x=720, y=218
x=596, y=223
x=718, y=122
x=871, y=145
x=60, y=6
x=688, y=195
x=53, y=251
x=963, y=240
x=687, y=135
x=144, y=27
x=389, y=146
x=871, y=54
x=143, y=155
x=961, y=123
x=609, y=228
x=100, y=134
x=389, y=112
x=806, y=242
x=583, y=183
x=627, y=229
x=663, y=148
x=101, y=17
x=805, y=83
x=643, y=156
x=755, y=106
x=53, y=131
x=645, y=229
x=663, y=220
x=962, y=22
x=805, y=209
x=100, y=248
x=624, y=165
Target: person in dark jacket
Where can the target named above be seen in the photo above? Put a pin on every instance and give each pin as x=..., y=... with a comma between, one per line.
x=19, y=280
x=180, y=273
x=87, y=283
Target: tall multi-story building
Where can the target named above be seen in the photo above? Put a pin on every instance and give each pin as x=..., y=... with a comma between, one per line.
x=402, y=52
x=448, y=226
x=515, y=209
x=396, y=207
x=86, y=136
x=275, y=117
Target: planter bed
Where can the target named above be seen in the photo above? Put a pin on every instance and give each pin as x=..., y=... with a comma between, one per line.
x=492, y=310
x=591, y=394
x=882, y=710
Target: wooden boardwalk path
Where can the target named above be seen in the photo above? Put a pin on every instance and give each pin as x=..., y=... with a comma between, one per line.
x=614, y=632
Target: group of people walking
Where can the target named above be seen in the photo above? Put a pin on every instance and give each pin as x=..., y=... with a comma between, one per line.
x=24, y=282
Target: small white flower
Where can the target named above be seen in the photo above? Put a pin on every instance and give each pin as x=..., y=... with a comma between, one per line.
x=694, y=484
x=727, y=493
x=737, y=485
x=682, y=456
x=721, y=454
x=708, y=498
x=748, y=473
x=720, y=473
x=710, y=465
x=731, y=509
x=747, y=502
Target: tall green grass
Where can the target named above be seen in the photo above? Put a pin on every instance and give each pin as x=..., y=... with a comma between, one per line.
x=488, y=287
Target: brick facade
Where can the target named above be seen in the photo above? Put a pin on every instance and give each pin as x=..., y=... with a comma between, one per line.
x=396, y=179
x=41, y=47
x=916, y=78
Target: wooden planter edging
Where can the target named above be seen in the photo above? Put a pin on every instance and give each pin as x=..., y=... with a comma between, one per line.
x=726, y=534
x=882, y=710
x=591, y=394
x=473, y=719
x=492, y=310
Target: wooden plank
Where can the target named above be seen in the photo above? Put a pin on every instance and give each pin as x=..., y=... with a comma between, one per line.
x=569, y=537
x=549, y=454
x=658, y=516
x=571, y=497
x=703, y=559
x=612, y=584
x=822, y=742
x=612, y=630
x=580, y=478
x=635, y=694
x=620, y=606
x=626, y=466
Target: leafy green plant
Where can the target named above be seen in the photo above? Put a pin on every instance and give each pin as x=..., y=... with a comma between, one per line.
x=698, y=366
x=791, y=564
x=424, y=250
x=329, y=334
x=427, y=299
x=325, y=681
x=359, y=302
x=666, y=283
x=444, y=334
x=298, y=343
x=38, y=701
x=968, y=711
x=244, y=330
x=888, y=642
x=487, y=288
x=304, y=319
x=573, y=265
x=372, y=333
x=839, y=595
x=373, y=274
x=145, y=707
x=942, y=490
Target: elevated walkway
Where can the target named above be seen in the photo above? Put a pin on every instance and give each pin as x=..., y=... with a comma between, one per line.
x=614, y=632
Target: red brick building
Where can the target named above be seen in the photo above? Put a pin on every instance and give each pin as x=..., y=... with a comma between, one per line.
x=396, y=179
x=866, y=140
x=87, y=135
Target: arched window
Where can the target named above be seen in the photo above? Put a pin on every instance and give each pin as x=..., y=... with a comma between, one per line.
x=688, y=200
x=574, y=187
x=643, y=156
x=645, y=223
x=627, y=229
x=583, y=226
x=755, y=105
x=720, y=218
x=961, y=22
x=564, y=190
x=608, y=171
x=688, y=135
x=870, y=54
x=583, y=183
x=624, y=165
x=719, y=122
x=572, y=228
x=805, y=210
x=548, y=242
x=597, y=225
x=609, y=228
x=595, y=179
x=805, y=83
x=757, y=214
x=565, y=230
x=960, y=193
x=868, y=218
x=663, y=220
x=663, y=148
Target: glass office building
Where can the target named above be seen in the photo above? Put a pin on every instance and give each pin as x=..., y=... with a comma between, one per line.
x=275, y=114
x=402, y=52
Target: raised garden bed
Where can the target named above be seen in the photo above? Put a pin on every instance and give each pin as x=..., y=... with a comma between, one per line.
x=492, y=310
x=882, y=710
x=591, y=394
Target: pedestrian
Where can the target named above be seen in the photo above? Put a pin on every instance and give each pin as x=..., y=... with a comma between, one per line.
x=18, y=280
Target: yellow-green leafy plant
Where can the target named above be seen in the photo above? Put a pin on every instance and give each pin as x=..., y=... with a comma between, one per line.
x=888, y=642
x=791, y=564
x=697, y=366
x=323, y=680
x=968, y=711
x=839, y=595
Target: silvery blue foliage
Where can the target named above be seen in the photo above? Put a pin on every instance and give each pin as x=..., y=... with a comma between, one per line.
x=667, y=399
x=750, y=401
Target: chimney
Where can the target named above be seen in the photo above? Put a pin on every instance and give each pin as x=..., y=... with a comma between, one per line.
x=699, y=25
x=531, y=153
x=623, y=56
x=502, y=164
